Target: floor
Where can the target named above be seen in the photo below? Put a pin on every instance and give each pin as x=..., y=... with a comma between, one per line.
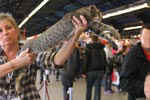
x=55, y=91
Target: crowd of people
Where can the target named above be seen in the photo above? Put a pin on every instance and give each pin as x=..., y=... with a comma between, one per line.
x=85, y=53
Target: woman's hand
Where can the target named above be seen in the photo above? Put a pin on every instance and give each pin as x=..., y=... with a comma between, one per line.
x=80, y=26
x=20, y=61
x=66, y=51
x=26, y=57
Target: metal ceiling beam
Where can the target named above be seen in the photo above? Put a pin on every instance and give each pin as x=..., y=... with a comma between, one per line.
x=128, y=9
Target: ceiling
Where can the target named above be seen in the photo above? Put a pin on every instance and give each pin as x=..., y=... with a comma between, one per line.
x=54, y=10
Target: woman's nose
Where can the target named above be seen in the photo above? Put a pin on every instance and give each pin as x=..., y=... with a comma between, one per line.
x=5, y=32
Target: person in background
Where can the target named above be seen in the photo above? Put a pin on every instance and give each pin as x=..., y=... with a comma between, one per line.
x=135, y=66
x=14, y=83
x=108, y=75
x=94, y=68
x=71, y=70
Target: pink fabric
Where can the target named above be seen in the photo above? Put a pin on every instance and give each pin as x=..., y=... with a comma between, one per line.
x=114, y=51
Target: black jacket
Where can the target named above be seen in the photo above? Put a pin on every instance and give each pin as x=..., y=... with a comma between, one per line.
x=133, y=71
x=95, y=57
x=72, y=66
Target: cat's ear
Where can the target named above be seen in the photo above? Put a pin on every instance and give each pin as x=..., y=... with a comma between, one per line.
x=95, y=12
x=92, y=7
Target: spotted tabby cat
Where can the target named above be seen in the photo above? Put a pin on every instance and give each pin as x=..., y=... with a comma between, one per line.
x=63, y=29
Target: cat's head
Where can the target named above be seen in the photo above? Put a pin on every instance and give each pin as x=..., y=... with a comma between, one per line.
x=91, y=13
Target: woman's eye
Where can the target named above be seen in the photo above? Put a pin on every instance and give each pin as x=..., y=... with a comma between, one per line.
x=8, y=27
x=0, y=30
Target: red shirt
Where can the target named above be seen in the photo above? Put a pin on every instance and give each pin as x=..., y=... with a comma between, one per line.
x=103, y=41
x=147, y=55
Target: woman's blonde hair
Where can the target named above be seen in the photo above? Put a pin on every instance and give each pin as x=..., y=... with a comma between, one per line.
x=12, y=20
x=9, y=17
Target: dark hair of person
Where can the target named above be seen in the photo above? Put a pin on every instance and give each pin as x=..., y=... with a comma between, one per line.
x=147, y=26
x=148, y=74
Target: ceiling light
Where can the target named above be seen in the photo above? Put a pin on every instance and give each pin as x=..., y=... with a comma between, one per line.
x=132, y=28
x=131, y=9
x=33, y=12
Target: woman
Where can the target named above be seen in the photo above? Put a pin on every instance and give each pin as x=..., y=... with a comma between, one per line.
x=15, y=84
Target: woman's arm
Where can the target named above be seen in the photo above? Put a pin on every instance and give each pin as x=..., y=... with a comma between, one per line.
x=23, y=59
x=9, y=67
x=64, y=53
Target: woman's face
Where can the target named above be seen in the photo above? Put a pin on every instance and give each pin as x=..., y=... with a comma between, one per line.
x=147, y=87
x=8, y=33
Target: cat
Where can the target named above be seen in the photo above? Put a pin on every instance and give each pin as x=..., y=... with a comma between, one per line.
x=63, y=29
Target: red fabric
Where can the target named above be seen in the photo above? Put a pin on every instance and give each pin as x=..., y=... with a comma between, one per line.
x=104, y=42
x=147, y=55
x=114, y=51
x=113, y=77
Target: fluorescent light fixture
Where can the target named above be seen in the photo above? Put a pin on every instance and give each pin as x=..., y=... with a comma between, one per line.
x=33, y=12
x=132, y=28
x=106, y=31
x=131, y=9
